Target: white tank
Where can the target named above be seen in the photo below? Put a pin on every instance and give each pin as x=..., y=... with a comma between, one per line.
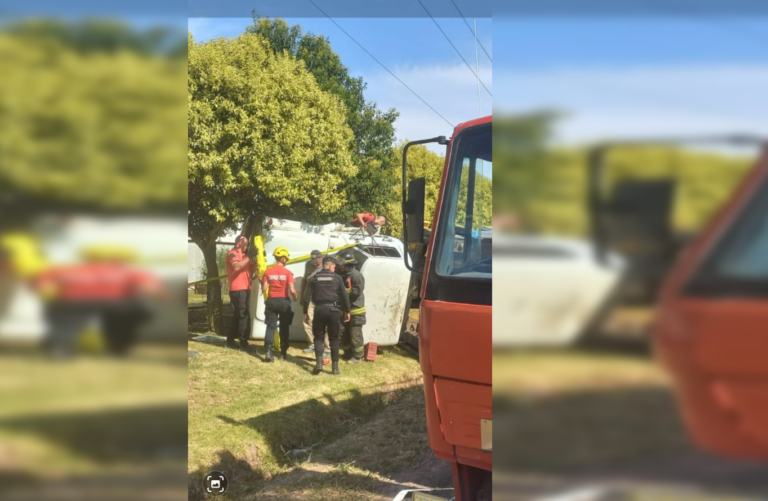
x=21, y=312
x=546, y=291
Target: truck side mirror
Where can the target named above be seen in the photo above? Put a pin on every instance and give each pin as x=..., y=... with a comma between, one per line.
x=413, y=209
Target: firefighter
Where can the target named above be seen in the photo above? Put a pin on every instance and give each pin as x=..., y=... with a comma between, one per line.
x=326, y=290
x=103, y=287
x=352, y=341
x=278, y=287
x=314, y=265
x=239, y=268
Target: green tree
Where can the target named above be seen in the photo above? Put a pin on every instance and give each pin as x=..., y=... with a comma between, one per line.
x=524, y=162
x=373, y=130
x=263, y=139
x=89, y=118
x=482, y=209
x=421, y=163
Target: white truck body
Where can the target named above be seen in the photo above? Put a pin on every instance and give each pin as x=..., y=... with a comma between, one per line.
x=546, y=291
x=380, y=261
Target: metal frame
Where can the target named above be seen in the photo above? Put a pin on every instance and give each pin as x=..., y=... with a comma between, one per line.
x=439, y=139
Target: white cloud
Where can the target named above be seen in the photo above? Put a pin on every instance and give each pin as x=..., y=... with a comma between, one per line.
x=643, y=101
x=451, y=90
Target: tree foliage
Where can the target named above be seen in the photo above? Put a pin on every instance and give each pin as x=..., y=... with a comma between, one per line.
x=482, y=209
x=547, y=186
x=373, y=133
x=89, y=115
x=263, y=137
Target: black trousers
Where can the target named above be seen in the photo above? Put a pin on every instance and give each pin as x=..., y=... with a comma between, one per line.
x=121, y=325
x=278, y=308
x=326, y=317
x=120, y=322
x=352, y=340
x=241, y=322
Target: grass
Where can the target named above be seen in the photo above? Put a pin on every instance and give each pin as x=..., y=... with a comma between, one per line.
x=91, y=416
x=194, y=298
x=245, y=416
x=573, y=411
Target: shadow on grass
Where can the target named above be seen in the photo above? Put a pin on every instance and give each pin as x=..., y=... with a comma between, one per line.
x=630, y=434
x=119, y=436
x=242, y=478
x=149, y=445
x=245, y=482
x=307, y=423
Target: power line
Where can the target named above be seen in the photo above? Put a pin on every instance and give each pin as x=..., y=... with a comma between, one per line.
x=470, y=29
x=381, y=64
x=454, y=48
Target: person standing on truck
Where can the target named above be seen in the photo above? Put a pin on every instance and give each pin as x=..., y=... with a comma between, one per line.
x=277, y=284
x=352, y=341
x=326, y=289
x=240, y=267
x=366, y=220
x=314, y=265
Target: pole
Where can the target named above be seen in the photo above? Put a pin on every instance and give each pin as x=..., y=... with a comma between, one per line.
x=477, y=72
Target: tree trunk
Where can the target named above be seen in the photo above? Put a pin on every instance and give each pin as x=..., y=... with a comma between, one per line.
x=214, y=288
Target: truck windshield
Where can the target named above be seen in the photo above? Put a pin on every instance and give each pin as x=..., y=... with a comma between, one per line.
x=463, y=244
x=738, y=265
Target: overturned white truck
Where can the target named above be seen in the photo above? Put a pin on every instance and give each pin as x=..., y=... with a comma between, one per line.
x=380, y=260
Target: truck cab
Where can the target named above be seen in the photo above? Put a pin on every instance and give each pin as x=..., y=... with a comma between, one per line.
x=455, y=325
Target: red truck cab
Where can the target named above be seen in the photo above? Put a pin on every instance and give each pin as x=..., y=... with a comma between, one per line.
x=712, y=327
x=455, y=337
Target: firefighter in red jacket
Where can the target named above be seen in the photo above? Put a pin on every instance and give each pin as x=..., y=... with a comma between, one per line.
x=104, y=288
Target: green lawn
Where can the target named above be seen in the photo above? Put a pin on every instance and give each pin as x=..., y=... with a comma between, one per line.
x=91, y=416
x=246, y=415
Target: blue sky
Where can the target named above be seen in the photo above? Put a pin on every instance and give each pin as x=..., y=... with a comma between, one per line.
x=630, y=77
x=413, y=49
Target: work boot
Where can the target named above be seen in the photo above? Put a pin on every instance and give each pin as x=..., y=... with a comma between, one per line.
x=336, y=371
x=318, y=366
x=354, y=360
x=268, y=354
x=284, y=354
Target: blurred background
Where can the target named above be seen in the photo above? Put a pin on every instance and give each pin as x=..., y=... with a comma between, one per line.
x=92, y=258
x=584, y=241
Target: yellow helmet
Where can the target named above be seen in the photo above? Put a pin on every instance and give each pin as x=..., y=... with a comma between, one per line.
x=281, y=252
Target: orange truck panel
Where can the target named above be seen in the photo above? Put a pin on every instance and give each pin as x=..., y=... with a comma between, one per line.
x=716, y=348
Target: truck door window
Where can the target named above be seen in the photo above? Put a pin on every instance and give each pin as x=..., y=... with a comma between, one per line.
x=738, y=265
x=467, y=207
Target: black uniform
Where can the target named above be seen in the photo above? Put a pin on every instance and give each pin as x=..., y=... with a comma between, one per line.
x=326, y=290
x=352, y=341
